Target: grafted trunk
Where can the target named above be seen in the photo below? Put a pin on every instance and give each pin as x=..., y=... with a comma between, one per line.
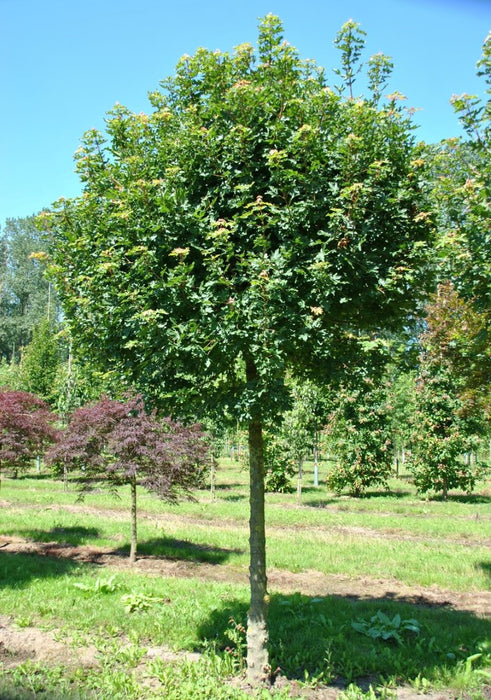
x=133, y=520
x=257, y=631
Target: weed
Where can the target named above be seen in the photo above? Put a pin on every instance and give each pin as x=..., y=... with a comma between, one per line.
x=23, y=621
x=99, y=586
x=236, y=633
x=138, y=602
x=383, y=627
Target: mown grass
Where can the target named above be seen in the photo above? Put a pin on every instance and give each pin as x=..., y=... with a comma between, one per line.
x=391, y=535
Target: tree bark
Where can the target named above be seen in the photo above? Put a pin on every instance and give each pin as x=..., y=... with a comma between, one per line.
x=316, y=457
x=133, y=521
x=257, y=631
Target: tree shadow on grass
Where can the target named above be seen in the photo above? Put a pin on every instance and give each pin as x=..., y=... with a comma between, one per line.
x=32, y=476
x=230, y=486
x=315, y=636
x=486, y=567
x=181, y=550
x=235, y=498
x=474, y=498
x=18, y=570
x=72, y=535
x=320, y=502
x=344, y=498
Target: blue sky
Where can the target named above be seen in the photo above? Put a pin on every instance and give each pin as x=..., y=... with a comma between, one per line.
x=64, y=63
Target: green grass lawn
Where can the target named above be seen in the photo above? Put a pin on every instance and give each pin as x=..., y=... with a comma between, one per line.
x=393, y=536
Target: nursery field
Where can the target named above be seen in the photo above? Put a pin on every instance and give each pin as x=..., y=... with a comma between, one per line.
x=387, y=595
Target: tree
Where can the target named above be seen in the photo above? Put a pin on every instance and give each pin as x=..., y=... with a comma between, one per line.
x=442, y=435
x=26, y=429
x=287, y=444
x=466, y=192
x=452, y=398
x=462, y=192
x=457, y=336
x=41, y=361
x=26, y=297
x=118, y=441
x=360, y=437
x=254, y=226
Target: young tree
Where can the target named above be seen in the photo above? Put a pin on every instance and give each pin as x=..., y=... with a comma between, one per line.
x=360, y=437
x=442, y=435
x=457, y=336
x=288, y=444
x=452, y=397
x=26, y=429
x=237, y=235
x=118, y=441
x=41, y=361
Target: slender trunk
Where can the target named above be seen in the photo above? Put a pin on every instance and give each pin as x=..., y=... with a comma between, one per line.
x=133, y=521
x=212, y=477
x=316, y=458
x=299, y=482
x=257, y=631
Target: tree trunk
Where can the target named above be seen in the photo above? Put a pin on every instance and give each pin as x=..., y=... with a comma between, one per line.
x=133, y=520
x=316, y=458
x=299, y=482
x=212, y=478
x=257, y=631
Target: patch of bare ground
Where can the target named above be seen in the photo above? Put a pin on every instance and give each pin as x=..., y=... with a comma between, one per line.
x=19, y=644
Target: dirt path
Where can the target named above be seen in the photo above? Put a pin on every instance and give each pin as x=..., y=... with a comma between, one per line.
x=312, y=583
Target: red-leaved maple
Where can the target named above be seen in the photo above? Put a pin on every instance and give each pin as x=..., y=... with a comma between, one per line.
x=26, y=429
x=120, y=442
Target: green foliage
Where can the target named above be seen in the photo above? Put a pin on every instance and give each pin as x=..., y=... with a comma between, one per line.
x=350, y=41
x=99, y=586
x=279, y=462
x=452, y=397
x=138, y=602
x=41, y=361
x=381, y=626
x=253, y=214
x=25, y=295
x=10, y=375
x=462, y=193
x=287, y=445
x=442, y=434
x=401, y=397
x=457, y=336
x=360, y=438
